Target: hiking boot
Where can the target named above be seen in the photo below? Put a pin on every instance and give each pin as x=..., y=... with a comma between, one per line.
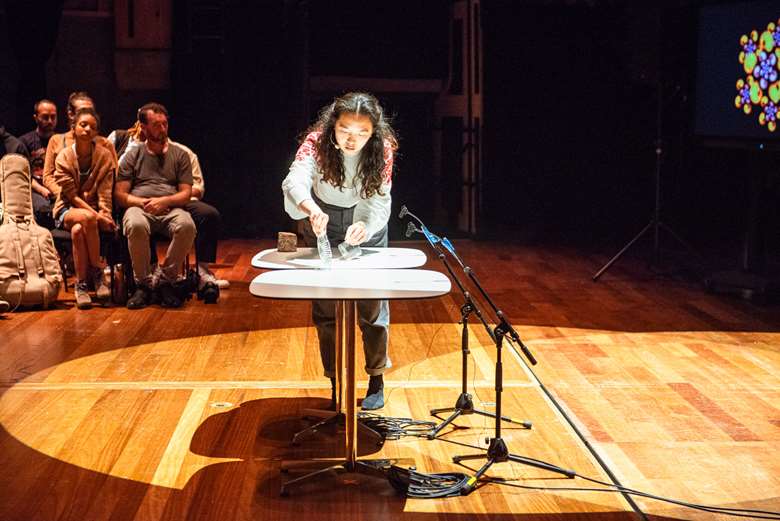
x=168, y=296
x=375, y=396
x=102, y=291
x=141, y=298
x=209, y=293
x=81, y=292
x=208, y=290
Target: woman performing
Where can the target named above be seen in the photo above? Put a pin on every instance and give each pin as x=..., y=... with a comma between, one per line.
x=84, y=175
x=340, y=180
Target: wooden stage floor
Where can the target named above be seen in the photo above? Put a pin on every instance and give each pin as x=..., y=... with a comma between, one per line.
x=156, y=414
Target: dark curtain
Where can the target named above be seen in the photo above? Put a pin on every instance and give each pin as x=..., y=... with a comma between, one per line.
x=32, y=32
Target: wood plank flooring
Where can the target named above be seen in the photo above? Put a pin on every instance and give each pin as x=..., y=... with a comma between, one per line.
x=111, y=414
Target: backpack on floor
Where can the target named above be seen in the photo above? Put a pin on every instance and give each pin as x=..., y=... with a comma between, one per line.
x=29, y=266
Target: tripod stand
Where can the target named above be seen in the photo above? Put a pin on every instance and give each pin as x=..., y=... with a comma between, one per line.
x=464, y=405
x=497, y=450
x=655, y=224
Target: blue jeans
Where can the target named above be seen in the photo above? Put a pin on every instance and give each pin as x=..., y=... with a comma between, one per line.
x=373, y=315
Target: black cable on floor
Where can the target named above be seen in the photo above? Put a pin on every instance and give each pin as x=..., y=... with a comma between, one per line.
x=413, y=484
x=581, y=436
x=466, y=486
x=395, y=428
x=609, y=487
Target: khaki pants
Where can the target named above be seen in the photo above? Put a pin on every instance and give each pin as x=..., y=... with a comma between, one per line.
x=177, y=225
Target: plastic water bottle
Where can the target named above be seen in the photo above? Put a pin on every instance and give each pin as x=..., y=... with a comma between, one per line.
x=349, y=251
x=323, y=248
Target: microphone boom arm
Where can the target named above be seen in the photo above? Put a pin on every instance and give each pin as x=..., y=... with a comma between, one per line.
x=504, y=327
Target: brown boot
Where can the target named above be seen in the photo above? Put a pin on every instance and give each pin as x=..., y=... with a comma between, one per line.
x=102, y=291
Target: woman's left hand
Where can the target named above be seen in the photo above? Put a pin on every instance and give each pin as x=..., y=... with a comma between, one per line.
x=356, y=233
x=106, y=223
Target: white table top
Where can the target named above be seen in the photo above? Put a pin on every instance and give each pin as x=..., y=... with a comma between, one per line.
x=372, y=258
x=349, y=284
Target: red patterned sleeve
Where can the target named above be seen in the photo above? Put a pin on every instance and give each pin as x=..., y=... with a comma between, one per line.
x=387, y=173
x=309, y=147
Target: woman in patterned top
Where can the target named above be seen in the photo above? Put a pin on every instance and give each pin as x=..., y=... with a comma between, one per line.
x=340, y=182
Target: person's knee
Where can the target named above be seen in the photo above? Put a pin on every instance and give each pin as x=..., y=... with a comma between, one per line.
x=184, y=227
x=373, y=313
x=135, y=224
x=206, y=215
x=89, y=219
x=76, y=231
x=210, y=213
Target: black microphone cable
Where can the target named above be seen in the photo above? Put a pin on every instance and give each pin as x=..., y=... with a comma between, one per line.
x=413, y=484
x=615, y=488
x=392, y=428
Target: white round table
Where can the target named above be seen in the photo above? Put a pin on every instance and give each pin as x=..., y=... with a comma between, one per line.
x=346, y=286
x=308, y=258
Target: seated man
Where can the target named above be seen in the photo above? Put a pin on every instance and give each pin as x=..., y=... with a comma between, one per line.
x=207, y=218
x=10, y=144
x=36, y=141
x=154, y=183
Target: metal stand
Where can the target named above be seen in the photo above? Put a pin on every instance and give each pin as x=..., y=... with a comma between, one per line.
x=754, y=280
x=497, y=450
x=345, y=350
x=336, y=417
x=464, y=405
x=655, y=223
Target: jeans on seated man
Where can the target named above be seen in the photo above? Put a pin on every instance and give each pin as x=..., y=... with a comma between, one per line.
x=154, y=183
x=138, y=227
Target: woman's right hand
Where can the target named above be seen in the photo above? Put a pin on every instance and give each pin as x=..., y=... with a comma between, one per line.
x=319, y=221
x=317, y=218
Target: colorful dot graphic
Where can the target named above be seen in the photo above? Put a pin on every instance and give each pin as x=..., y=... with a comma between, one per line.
x=759, y=90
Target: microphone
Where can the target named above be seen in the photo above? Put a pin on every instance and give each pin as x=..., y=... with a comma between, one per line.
x=402, y=214
x=447, y=244
x=432, y=238
x=410, y=228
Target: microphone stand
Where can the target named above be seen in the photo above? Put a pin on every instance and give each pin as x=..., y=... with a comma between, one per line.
x=464, y=405
x=497, y=451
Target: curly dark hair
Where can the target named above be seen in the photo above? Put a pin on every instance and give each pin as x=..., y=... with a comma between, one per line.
x=372, y=157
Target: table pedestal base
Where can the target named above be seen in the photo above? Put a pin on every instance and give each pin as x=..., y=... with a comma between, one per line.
x=322, y=468
x=332, y=418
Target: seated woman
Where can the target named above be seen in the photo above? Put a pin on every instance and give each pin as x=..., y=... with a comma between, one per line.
x=84, y=174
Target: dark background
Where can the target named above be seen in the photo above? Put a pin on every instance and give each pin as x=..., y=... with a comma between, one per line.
x=572, y=92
